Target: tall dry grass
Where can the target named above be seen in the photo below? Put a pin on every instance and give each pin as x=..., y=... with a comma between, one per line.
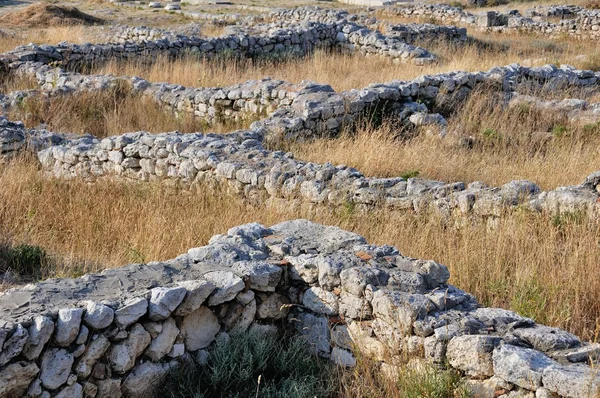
x=347, y=71
x=112, y=112
x=486, y=142
x=49, y=35
x=539, y=266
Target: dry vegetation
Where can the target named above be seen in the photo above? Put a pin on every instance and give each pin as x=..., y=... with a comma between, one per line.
x=110, y=112
x=538, y=266
x=52, y=35
x=344, y=71
x=486, y=143
x=46, y=14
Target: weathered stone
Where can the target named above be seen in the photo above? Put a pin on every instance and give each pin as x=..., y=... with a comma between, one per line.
x=164, y=300
x=73, y=391
x=199, y=329
x=315, y=330
x=122, y=356
x=40, y=333
x=546, y=339
x=343, y=357
x=14, y=345
x=246, y=318
x=67, y=326
x=109, y=388
x=55, y=368
x=273, y=306
x=97, y=315
x=400, y=309
x=131, y=312
x=320, y=301
x=572, y=381
x=520, y=366
x=16, y=377
x=143, y=378
x=472, y=354
x=228, y=285
x=95, y=350
x=163, y=343
x=197, y=293
x=262, y=276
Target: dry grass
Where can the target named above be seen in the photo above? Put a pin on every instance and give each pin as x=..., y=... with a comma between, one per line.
x=346, y=71
x=51, y=35
x=541, y=267
x=112, y=112
x=45, y=14
x=521, y=142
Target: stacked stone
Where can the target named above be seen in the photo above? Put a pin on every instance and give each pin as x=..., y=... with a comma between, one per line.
x=238, y=163
x=14, y=139
x=284, y=38
x=308, y=109
x=119, y=332
x=439, y=12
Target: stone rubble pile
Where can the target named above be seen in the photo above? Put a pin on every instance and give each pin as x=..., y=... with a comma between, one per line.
x=119, y=332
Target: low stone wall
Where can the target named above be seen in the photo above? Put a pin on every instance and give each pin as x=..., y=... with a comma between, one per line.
x=309, y=110
x=239, y=163
x=284, y=37
x=116, y=333
x=575, y=22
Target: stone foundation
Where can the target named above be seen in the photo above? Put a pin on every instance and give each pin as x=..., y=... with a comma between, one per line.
x=113, y=334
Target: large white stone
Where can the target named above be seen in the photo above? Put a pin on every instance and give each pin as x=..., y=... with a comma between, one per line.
x=162, y=344
x=164, y=300
x=520, y=366
x=228, y=286
x=197, y=293
x=131, y=312
x=321, y=301
x=143, y=378
x=98, y=316
x=40, y=333
x=122, y=356
x=199, y=329
x=56, y=367
x=67, y=326
x=472, y=354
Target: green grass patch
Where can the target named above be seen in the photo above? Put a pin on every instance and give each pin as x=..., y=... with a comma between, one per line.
x=284, y=367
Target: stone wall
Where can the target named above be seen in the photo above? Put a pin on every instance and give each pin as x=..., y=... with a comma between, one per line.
x=575, y=21
x=286, y=36
x=240, y=163
x=116, y=333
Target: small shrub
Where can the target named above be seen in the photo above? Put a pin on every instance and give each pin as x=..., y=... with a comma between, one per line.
x=490, y=133
x=25, y=260
x=410, y=174
x=285, y=368
x=429, y=382
x=559, y=130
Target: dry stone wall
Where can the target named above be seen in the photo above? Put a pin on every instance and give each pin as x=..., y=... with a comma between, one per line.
x=239, y=161
x=575, y=21
x=116, y=333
